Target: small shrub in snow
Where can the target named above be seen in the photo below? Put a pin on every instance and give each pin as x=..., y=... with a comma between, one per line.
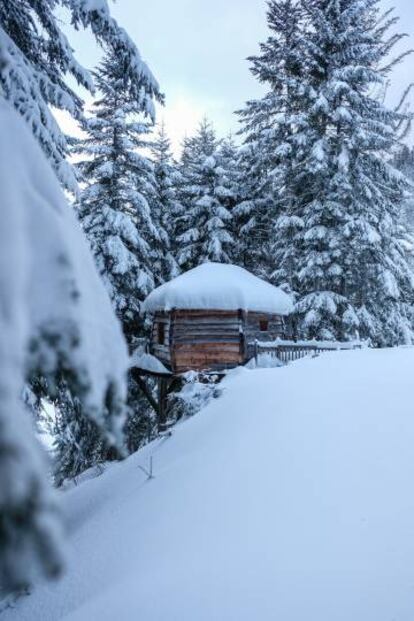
x=197, y=390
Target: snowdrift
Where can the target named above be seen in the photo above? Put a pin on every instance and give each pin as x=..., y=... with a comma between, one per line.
x=290, y=497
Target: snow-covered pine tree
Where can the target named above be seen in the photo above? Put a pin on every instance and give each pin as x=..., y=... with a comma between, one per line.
x=165, y=206
x=351, y=269
x=119, y=180
x=338, y=241
x=141, y=425
x=39, y=58
x=251, y=235
x=204, y=227
x=117, y=209
x=269, y=155
x=47, y=330
x=78, y=441
x=228, y=157
x=404, y=162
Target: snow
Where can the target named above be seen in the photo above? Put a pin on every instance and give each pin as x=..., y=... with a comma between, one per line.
x=54, y=313
x=218, y=286
x=23, y=84
x=289, y=498
x=265, y=360
x=312, y=343
x=62, y=287
x=60, y=290
x=148, y=362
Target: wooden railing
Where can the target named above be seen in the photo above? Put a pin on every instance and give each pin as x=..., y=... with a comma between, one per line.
x=288, y=351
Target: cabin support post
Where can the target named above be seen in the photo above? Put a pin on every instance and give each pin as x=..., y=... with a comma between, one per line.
x=243, y=344
x=147, y=393
x=159, y=405
x=162, y=404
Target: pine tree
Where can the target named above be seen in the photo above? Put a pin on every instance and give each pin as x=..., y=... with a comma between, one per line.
x=165, y=206
x=141, y=425
x=404, y=162
x=36, y=58
x=79, y=443
x=352, y=271
x=113, y=207
x=119, y=212
x=228, y=158
x=47, y=330
x=338, y=240
x=40, y=237
x=270, y=154
x=204, y=227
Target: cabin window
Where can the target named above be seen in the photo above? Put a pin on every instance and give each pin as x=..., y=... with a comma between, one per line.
x=264, y=325
x=161, y=333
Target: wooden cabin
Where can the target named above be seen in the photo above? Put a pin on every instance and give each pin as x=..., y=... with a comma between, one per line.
x=208, y=318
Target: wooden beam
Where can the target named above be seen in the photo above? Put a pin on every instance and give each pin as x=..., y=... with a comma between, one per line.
x=159, y=406
x=146, y=391
x=162, y=403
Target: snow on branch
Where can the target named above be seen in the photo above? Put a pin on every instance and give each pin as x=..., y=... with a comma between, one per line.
x=56, y=320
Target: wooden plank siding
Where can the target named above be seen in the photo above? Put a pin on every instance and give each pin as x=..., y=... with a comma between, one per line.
x=161, y=351
x=252, y=330
x=205, y=340
x=210, y=339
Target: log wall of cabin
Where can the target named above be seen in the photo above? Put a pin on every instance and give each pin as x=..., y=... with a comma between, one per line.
x=253, y=329
x=161, y=350
x=205, y=340
x=209, y=339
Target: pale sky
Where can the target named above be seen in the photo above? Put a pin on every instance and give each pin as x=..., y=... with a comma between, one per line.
x=197, y=50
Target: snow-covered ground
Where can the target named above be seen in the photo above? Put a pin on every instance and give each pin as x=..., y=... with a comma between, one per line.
x=288, y=498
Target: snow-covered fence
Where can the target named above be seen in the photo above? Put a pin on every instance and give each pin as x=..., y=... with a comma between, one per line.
x=288, y=351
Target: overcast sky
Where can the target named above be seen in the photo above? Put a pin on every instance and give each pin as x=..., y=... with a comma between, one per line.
x=197, y=50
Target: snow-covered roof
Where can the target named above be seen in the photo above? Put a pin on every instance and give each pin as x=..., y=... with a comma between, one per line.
x=217, y=286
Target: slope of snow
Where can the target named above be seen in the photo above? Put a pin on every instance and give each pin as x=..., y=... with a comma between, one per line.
x=218, y=286
x=288, y=498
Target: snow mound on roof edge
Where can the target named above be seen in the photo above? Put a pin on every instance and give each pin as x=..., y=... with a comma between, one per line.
x=214, y=286
x=147, y=362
